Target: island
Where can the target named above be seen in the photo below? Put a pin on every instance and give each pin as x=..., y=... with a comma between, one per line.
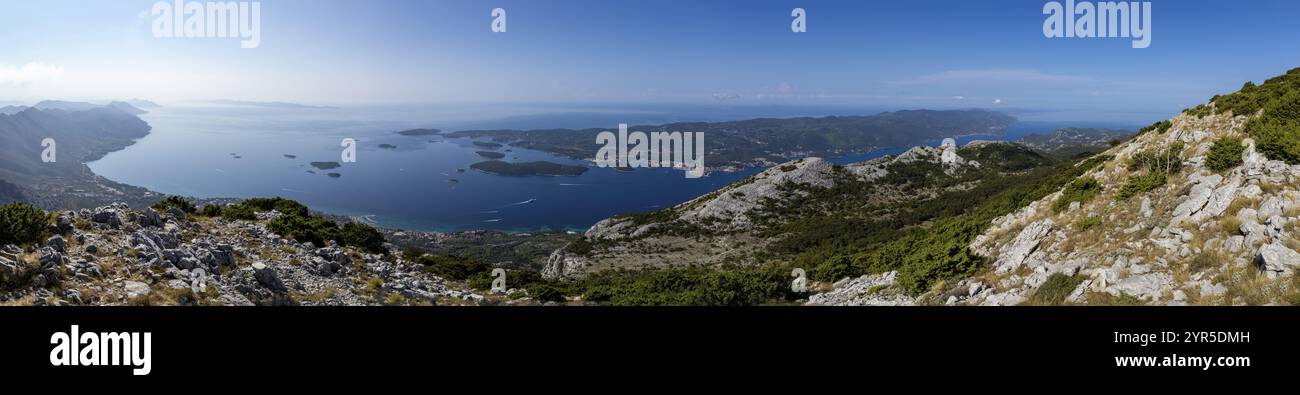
x=486, y=144
x=334, y=175
x=765, y=142
x=387, y=146
x=291, y=156
x=326, y=165
x=419, y=132
x=524, y=169
x=490, y=154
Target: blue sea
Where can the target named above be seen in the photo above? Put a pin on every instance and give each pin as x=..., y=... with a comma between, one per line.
x=216, y=150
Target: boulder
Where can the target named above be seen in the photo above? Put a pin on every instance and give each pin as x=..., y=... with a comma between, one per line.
x=108, y=215
x=1015, y=253
x=267, y=278
x=1277, y=258
x=57, y=243
x=135, y=288
x=66, y=222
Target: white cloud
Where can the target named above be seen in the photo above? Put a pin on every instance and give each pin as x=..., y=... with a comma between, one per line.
x=29, y=73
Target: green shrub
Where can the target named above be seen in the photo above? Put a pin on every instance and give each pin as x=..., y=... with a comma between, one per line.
x=454, y=267
x=1088, y=223
x=1054, y=291
x=1141, y=184
x=280, y=204
x=580, y=246
x=1277, y=139
x=177, y=202
x=315, y=230
x=362, y=236
x=211, y=211
x=239, y=212
x=1081, y=190
x=546, y=293
x=21, y=223
x=1225, y=154
x=833, y=269
x=1158, y=127
x=695, y=286
x=1277, y=129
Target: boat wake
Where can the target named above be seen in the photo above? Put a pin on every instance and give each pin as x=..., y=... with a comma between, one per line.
x=529, y=201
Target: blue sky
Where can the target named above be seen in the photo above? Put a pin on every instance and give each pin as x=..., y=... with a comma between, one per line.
x=904, y=54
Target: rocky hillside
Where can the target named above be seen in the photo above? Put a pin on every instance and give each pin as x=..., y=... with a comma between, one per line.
x=1200, y=209
x=113, y=255
x=773, y=216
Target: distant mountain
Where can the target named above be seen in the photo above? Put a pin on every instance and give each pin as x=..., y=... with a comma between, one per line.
x=82, y=106
x=64, y=105
x=127, y=108
x=141, y=103
x=9, y=110
x=768, y=141
x=1068, y=141
x=80, y=136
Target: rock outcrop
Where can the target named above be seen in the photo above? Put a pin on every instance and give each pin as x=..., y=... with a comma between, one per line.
x=119, y=256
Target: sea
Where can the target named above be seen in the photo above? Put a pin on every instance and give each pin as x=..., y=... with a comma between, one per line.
x=242, y=150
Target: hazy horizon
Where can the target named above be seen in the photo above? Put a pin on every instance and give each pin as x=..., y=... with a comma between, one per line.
x=854, y=54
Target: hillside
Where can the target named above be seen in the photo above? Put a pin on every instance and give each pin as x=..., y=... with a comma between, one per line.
x=83, y=133
x=803, y=211
x=257, y=252
x=767, y=141
x=1199, y=209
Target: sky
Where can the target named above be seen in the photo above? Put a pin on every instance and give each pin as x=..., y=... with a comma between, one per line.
x=903, y=54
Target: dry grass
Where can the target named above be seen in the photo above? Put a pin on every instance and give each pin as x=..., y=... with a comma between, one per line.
x=1248, y=286
x=1241, y=202
x=1230, y=225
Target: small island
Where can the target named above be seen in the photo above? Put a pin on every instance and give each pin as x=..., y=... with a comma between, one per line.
x=490, y=154
x=486, y=144
x=334, y=175
x=419, y=132
x=326, y=165
x=291, y=156
x=539, y=168
x=387, y=146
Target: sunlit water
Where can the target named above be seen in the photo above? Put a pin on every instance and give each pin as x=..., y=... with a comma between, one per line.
x=425, y=183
